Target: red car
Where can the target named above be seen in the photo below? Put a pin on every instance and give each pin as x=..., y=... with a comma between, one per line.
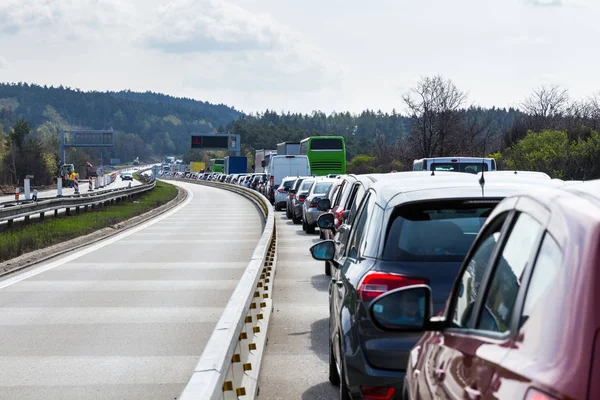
x=523, y=319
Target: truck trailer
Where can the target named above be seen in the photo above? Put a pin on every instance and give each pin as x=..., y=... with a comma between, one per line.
x=288, y=148
x=236, y=165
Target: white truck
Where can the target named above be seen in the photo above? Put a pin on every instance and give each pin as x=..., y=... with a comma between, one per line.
x=282, y=166
x=261, y=160
x=288, y=148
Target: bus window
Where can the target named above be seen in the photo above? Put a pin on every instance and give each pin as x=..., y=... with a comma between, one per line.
x=326, y=144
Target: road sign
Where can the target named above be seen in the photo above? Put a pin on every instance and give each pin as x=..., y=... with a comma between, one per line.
x=29, y=176
x=214, y=141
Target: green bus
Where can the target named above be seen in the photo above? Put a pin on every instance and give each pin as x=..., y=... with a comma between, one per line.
x=217, y=164
x=326, y=154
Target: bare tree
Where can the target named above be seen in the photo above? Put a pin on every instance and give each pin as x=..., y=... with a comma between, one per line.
x=547, y=101
x=434, y=106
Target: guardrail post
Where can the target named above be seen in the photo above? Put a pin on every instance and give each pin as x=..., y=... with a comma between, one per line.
x=27, y=188
x=59, y=187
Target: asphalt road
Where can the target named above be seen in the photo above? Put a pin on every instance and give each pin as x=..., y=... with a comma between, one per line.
x=127, y=317
x=295, y=363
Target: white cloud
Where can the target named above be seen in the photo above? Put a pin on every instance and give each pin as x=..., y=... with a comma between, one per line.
x=546, y=3
x=197, y=26
x=81, y=19
x=233, y=48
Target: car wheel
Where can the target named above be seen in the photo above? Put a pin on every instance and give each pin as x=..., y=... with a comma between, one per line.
x=304, y=226
x=310, y=229
x=334, y=377
x=295, y=219
x=277, y=208
x=327, y=268
x=288, y=214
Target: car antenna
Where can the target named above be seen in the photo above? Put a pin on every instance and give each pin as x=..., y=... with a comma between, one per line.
x=433, y=167
x=482, y=178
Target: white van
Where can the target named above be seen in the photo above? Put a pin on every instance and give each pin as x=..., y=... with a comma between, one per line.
x=282, y=166
x=471, y=165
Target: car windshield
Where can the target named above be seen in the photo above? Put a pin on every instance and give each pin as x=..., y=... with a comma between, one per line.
x=434, y=232
x=306, y=185
x=322, y=187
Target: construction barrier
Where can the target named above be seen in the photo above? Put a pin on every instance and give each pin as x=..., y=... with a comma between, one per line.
x=76, y=185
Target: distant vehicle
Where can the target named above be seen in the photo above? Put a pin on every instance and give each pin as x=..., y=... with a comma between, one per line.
x=217, y=164
x=282, y=166
x=282, y=191
x=236, y=165
x=326, y=154
x=261, y=160
x=127, y=176
x=288, y=148
x=471, y=165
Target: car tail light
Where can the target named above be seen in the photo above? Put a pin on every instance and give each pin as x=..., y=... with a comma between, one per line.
x=280, y=190
x=374, y=284
x=302, y=197
x=377, y=393
x=292, y=195
x=314, y=203
x=534, y=394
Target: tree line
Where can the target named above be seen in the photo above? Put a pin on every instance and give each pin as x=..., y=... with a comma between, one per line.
x=549, y=131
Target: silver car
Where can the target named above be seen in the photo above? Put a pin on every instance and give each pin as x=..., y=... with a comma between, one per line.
x=282, y=191
x=310, y=212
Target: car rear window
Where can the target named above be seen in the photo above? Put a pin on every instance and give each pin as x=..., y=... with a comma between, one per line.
x=322, y=188
x=288, y=184
x=434, y=231
x=306, y=185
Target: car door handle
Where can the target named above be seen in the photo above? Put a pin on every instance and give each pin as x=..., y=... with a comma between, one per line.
x=439, y=374
x=472, y=394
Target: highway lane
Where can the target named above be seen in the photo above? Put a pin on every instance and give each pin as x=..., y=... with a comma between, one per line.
x=127, y=317
x=295, y=363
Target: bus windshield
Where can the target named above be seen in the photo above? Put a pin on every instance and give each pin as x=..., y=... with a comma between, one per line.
x=473, y=168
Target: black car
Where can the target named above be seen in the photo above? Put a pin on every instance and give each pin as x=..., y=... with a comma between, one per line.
x=409, y=229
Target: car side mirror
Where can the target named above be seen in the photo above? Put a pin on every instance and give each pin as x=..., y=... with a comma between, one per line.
x=326, y=221
x=324, y=205
x=346, y=215
x=407, y=309
x=323, y=251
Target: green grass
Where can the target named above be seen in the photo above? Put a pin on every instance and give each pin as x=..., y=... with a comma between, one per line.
x=25, y=238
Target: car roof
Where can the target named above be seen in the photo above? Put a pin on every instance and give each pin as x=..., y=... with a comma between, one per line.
x=423, y=185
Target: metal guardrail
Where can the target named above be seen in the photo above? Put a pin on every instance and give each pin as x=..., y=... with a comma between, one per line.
x=44, y=205
x=230, y=363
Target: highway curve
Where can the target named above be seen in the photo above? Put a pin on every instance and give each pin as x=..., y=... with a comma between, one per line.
x=127, y=317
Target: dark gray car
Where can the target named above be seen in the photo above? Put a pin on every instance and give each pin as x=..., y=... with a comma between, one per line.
x=299, y=198
x=409, y=229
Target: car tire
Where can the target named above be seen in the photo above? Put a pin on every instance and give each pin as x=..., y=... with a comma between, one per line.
x=288, y=214
x=310, y=229
x=277, y=208
x=304, y=225
x=295, y=219
x=334, y=377
x=327, y=268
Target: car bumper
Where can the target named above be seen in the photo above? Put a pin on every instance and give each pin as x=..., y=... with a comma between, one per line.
x=280, y=198
x=312, y=215
x=360, y=373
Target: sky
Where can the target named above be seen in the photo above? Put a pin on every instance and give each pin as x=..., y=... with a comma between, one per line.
x=300, y=56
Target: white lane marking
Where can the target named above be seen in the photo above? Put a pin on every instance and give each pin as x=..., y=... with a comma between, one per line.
x=78, y=253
